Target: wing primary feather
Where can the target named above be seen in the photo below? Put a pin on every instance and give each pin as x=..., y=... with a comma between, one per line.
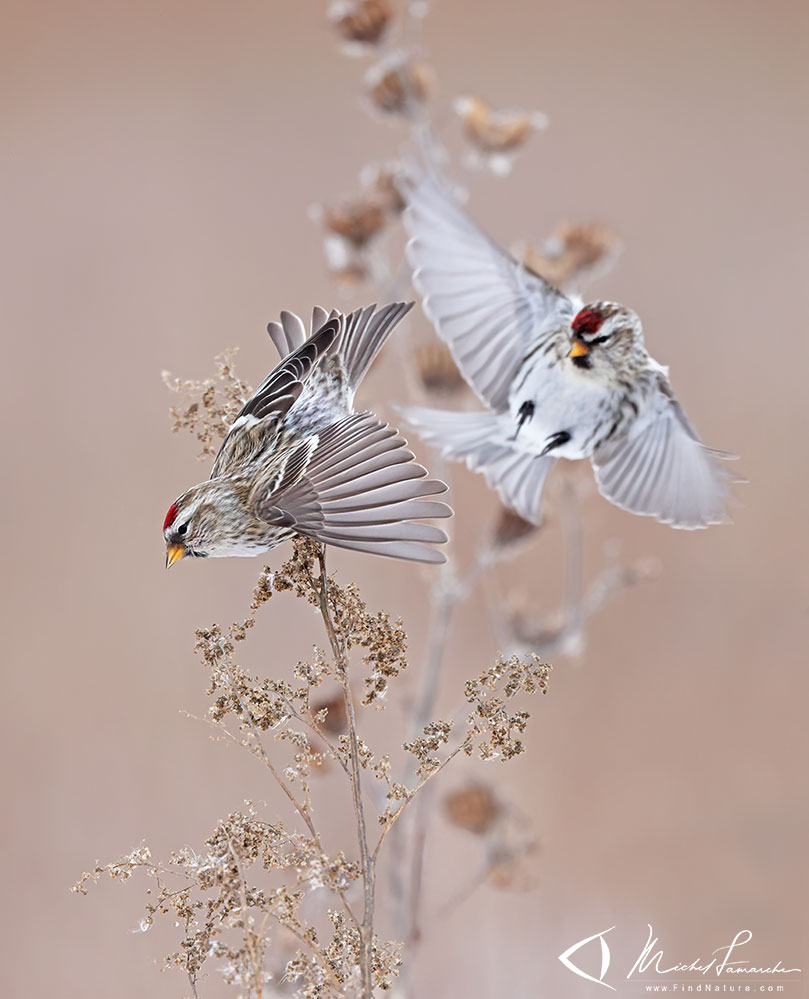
x=362, y=489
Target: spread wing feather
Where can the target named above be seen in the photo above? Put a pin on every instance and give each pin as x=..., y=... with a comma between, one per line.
x=289, y=334
x=661, y=468
x=262, y=413
x=361, y=336
x=359, y=491
x=489, y=309
x=288, y=378
x=478, y=439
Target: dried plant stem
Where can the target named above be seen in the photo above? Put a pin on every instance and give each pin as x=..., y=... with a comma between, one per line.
x=574, y=585
x=447, y=595
x=300, y=807
x=249, y=935
x=413, y=794
x=366, y=928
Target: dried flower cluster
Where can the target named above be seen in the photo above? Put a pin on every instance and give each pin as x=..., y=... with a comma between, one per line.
x=512, y=530
x=573, y=254
x=474, y=808
x=253, y=874
x=361, y=22
x=494, y=729
x=398, y=85
x=395, y=87
x=354, y=224
x=244, y=890
x=495, y=135
x=208, y=407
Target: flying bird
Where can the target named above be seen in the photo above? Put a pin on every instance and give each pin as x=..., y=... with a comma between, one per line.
x=299, y=460
x=558, y=380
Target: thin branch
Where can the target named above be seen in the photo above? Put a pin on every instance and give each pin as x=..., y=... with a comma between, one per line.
x=574, y=557
x=426, y=780
x=301, y=809
x=366, y=929
x=461, y=894
x=249, y=935
x=447, y=596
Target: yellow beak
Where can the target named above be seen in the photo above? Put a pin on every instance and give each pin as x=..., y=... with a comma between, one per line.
x=579, y=348
x=174, y=552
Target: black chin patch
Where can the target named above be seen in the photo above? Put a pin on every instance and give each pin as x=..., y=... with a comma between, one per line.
x=583, y=361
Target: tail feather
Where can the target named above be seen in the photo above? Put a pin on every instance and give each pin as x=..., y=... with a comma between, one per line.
x=364, y=333
x=479, y=440
x=361, y=337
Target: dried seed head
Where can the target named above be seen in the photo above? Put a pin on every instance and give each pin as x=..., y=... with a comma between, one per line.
x=437, y=370
x=511, y=528
x=345, y=262
x=398, y=85
x=357, y=220
x=493, y=131
x=511, y=867
x=364, y=22
x=208, y=407
x=320, y=765
x=334, y=721
x=473, y=808
x=380, y=182
x=527, y=631
x=573, y=253
x=352, y=274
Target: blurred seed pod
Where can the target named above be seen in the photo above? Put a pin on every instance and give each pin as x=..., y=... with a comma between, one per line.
x=510, y=529
x=345, y=262
x=497, y=131
x=364, y=22
x=437, y=371
x=398, y=85
x=335, y=721
x=320, y=765
x=573, y=253
x=357, y=220
x=352, y=274
x=380, y=182
x=473, y=808
x=546, y=636
x=510, y=868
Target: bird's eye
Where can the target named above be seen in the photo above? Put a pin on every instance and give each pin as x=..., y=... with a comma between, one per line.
x=602, y=339
x=182, y=529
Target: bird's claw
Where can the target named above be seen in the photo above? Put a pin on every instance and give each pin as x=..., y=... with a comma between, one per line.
x=524, y=413
x=556, y=440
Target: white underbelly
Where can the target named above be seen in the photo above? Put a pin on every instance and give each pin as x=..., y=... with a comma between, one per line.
x=562, y=404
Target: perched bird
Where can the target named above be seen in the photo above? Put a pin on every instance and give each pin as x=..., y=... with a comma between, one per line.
x=299, y=460
x=559, y=381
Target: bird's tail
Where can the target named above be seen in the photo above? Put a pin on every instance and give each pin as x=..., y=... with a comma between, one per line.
x=364, y=333
x=361, y=336
x=481, y=441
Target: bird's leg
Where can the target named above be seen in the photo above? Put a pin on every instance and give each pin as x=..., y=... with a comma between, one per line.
x=524, y=413
x=556, y=440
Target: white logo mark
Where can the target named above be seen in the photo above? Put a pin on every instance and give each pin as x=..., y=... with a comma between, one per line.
x=605, y=958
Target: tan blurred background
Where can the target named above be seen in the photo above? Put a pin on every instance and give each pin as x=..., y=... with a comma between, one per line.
x=158, y=163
